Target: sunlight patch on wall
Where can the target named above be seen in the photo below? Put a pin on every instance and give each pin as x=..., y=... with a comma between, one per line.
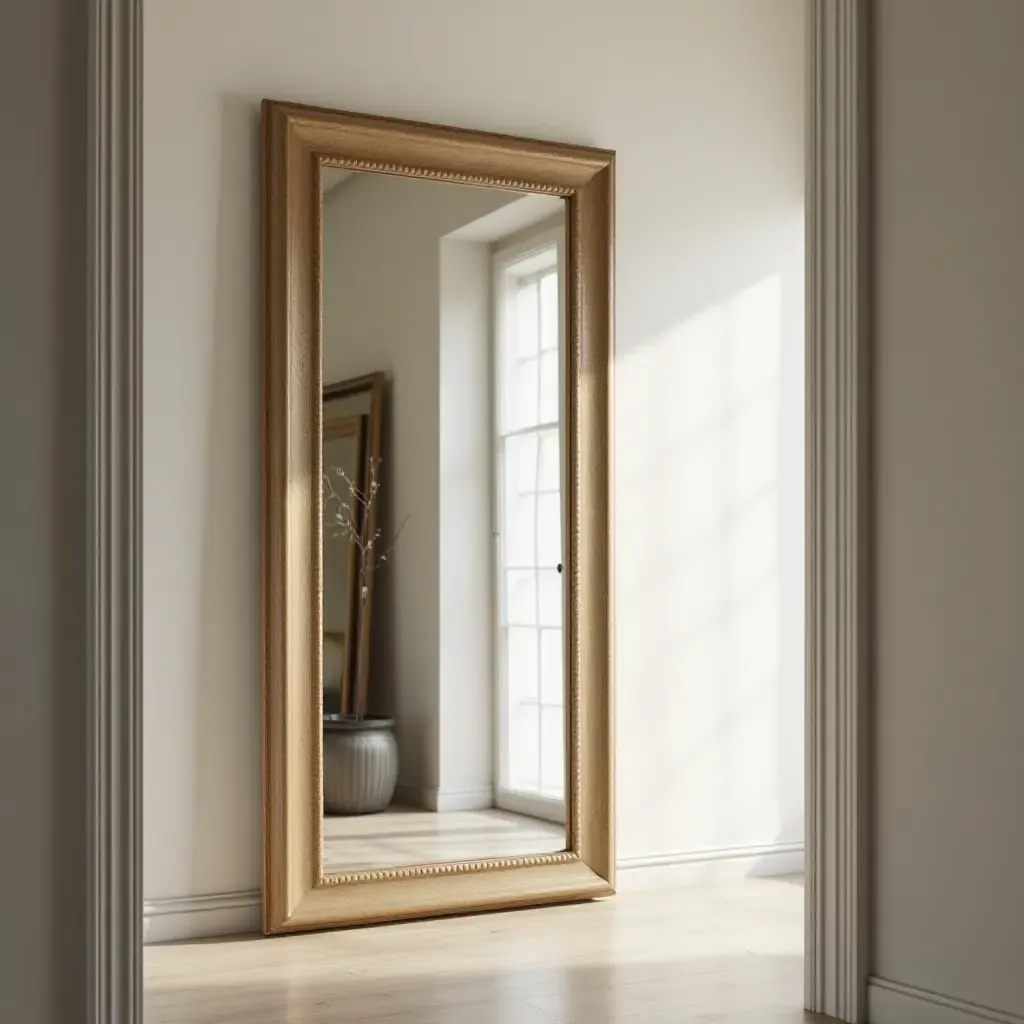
x=701, y=564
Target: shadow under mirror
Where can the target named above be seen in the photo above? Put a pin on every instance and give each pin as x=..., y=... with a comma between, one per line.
x=444, y=710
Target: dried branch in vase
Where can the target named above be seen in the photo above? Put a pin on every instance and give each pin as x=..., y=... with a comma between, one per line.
x=347, y=515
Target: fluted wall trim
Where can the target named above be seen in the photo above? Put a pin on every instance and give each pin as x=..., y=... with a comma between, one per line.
x=838, y=544
x=114, y=517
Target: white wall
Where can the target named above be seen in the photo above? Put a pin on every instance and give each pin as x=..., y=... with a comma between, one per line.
x=704, y=104
x=466, y=707
x=383, y=311
x=42, y=516
x=949, y=351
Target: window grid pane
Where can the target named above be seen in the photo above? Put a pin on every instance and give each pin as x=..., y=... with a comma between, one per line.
x=531, y=598
x=549, y=312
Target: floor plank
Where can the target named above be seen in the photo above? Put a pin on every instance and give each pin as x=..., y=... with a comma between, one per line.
x=402, y=836
x=730, y=954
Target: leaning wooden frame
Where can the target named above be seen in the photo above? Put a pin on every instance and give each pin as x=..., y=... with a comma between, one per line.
x=297, y=143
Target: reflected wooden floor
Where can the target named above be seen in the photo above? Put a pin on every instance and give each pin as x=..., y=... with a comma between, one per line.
x=402, y=836
x=729, y=954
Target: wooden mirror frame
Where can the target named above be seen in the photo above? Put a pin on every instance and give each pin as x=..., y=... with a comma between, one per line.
x=297, y=142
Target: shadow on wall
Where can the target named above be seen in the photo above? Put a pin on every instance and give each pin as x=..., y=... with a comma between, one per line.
x=709, y=575
x=227, y=715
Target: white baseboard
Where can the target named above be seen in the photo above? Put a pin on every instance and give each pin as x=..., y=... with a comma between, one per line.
x=431, y=798
x=533, y=807
x=183, y=918
x=410, y=796
x=699, y=867
x=462, y=800
x=891, y=1002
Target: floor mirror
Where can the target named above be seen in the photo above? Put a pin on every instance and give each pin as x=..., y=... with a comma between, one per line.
x=437, y=330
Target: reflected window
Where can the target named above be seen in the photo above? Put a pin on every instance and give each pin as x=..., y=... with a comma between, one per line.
x=529, y=487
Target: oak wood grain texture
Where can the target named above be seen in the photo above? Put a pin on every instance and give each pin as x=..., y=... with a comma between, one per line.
x=417, y=149
x=342, y=426
x=729, y=954
x=290, y=445
x=297, y=142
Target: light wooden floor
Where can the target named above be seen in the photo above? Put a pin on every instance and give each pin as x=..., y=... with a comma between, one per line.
x=402, y=836
x=729, y=954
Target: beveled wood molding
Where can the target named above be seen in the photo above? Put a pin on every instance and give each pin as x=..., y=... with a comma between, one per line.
x=297, y=142
x=113, y=942
x=838, y=478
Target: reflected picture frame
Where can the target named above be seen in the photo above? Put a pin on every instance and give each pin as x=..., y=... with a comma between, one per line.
x=349, y=427
x=297, y=143
x=374, y=385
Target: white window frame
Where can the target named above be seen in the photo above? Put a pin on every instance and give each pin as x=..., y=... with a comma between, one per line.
x=548, y=237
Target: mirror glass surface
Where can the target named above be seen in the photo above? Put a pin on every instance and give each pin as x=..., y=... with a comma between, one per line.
x=444, y=699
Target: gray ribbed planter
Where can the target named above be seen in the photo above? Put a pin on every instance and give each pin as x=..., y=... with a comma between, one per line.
x=360, y=764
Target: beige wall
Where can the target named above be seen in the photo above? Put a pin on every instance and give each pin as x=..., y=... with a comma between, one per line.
x=704, y=104
x=949, y=344
x=42, y=514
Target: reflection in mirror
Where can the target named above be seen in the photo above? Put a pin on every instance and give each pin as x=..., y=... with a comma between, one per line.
x=444, y=710
x=344, y=474
x=351, y=458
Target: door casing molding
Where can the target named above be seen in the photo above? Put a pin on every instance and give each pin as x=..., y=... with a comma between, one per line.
x=838, y=507
x=838, y=539
x=114, y=514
